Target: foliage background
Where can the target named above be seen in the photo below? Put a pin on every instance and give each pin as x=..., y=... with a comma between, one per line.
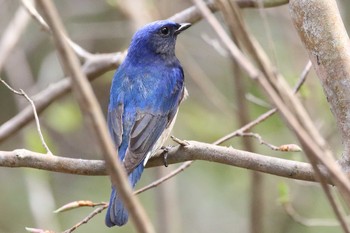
x=207, y=197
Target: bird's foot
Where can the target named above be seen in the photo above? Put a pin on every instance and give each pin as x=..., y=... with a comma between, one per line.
x=165, y=151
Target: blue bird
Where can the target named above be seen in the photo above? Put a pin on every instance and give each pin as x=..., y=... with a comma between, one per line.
x=145, y=95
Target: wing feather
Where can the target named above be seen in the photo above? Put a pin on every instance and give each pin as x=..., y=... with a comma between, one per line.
x=115, y=124
x=146, y=131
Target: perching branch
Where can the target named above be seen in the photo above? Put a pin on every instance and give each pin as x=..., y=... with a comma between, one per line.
x=194, y=151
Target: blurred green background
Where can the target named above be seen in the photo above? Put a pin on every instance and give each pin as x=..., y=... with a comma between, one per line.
x=207, y=197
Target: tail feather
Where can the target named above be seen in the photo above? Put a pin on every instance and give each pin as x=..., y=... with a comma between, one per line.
x=116, y=213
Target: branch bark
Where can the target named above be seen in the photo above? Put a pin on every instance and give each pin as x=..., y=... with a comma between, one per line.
x=323, y=34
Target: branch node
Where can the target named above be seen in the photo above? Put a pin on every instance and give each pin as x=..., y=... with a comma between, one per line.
x=179, y=141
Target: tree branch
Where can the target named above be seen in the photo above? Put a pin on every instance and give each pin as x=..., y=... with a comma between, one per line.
x=194, y=151
x=324, y=36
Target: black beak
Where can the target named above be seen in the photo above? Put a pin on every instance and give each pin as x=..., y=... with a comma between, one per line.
x=182, y=27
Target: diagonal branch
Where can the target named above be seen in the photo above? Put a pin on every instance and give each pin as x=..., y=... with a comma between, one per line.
x=315, y=150
x=90, y=106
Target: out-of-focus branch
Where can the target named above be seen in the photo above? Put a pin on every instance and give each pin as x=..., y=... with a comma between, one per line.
x=193, y=14
x=288, y=207
x=12, y=34
x=90, y=106
x=256, y=203
x=34, y=13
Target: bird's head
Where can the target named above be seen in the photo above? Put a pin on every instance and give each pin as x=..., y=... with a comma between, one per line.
x=158, y=37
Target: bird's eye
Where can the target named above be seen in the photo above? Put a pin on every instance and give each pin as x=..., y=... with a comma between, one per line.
x=165, y=31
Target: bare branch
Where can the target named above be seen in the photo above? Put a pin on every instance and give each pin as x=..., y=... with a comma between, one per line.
x=194, y=151
x=165, y=178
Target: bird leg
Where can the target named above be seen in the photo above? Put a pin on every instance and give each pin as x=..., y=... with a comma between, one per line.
x=165, y=152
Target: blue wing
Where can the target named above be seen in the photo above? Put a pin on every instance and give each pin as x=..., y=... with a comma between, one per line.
x=141, y=108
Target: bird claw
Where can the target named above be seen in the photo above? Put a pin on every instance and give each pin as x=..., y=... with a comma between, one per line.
x=165, y=151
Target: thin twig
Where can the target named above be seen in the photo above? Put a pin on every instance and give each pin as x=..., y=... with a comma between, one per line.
x=257, y=101
x=164, y=178
x=303, y=76
x=78, y=204
x=87, y=218
x=284, y=148
x=22, y=93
